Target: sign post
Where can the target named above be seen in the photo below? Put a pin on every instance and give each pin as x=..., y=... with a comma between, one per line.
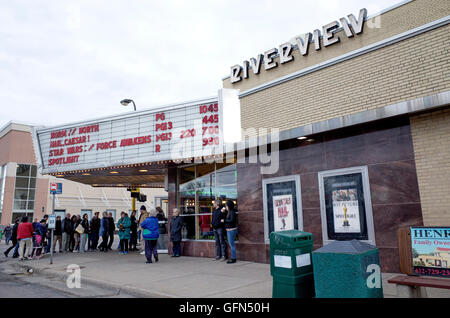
x=55, y=188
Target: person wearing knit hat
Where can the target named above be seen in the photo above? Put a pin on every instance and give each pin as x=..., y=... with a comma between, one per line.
x=143, y=215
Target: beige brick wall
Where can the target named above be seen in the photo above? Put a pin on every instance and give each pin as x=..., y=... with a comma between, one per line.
x=431, y=139
x=417, y=67
x=396, y=21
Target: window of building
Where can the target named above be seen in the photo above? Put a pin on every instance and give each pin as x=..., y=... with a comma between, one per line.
x=345, y=204
x=25, y=190
x=2, y=188
x=199, y=186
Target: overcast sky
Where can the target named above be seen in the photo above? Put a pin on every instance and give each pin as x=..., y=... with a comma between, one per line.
x=64, y=61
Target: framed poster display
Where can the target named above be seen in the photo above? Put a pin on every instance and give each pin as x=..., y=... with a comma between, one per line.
x=346, y=208
x=282, y=205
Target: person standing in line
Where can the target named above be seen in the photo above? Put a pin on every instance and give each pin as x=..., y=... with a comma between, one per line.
x=35, y=223
x=94, y=231
x=57, y=235
x=231, y=227
x=83, y=236
x=133, y=228
x=39, y=238
x=73, y=220
x=48, y=235
x=218, y=224
x=66, y=232
x=76, y=220
x=176, y=225
x=104, y=232
x=124, y=225
x=24, y=235
x=142, y=217
x=15, y=243
x=7, y=232
x=150, y=234
x=111, y=230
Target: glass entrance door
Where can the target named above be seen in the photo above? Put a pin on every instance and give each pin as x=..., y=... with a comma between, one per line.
x=162, y=204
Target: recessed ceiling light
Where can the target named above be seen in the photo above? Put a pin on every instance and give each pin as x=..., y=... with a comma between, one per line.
x=143, y=170
x=302, y=138
x=86, y=174
x=114, y=172
x=59, y=175
x=310, y=140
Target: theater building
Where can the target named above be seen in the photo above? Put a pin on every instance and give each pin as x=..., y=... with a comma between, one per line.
x=362, y=107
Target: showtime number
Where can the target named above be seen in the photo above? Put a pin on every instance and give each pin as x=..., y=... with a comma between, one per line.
x=212, y=108
x=187, y=133
x=211, y=130
x=213, y=119
x=210, y=141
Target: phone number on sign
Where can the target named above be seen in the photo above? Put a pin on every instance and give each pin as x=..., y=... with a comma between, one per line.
x=441, y=272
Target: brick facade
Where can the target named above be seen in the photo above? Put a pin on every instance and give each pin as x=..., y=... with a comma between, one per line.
x=431, y=138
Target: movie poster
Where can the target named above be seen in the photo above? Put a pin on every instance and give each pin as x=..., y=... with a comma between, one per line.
x=346, y=211
x=431, y=251
x=281, y=205
x=283, y=211
x=345, y=207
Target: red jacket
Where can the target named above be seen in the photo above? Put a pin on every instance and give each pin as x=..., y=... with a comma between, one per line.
x=25, y=230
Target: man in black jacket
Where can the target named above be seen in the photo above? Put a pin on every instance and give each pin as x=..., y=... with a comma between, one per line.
x=57, y=234
x=14, y=240
x=94, y=231
x=176, y=226
x=111, y=229
x=66, y=232
x=218, y=225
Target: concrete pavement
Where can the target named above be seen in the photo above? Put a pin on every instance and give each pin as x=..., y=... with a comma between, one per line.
x=170, y=277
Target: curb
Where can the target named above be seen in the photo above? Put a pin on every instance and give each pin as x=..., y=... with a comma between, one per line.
x=135, y=291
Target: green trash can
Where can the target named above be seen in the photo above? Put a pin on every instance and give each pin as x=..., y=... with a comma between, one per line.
x=290, y=264
x=347, y=269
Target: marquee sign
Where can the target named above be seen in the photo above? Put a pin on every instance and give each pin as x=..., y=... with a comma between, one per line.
x=170, y=133
x=351, y=27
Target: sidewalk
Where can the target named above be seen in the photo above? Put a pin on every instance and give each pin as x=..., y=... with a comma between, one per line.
x=172, y=277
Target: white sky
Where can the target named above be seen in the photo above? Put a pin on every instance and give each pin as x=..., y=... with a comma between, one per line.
x=64, y=61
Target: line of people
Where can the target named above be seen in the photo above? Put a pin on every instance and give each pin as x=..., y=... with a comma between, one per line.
x=73, y=233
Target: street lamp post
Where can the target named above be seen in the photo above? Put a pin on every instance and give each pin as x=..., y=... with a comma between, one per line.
x=126, y=102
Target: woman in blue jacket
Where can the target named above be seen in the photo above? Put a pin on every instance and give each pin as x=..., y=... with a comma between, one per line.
x=150, y=234
x=124, y=225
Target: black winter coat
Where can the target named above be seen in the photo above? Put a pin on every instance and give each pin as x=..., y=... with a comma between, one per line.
x=111, y=225
x=231, y=220
x=217, y=218
x=58, y=228
x=67, y=226
x=176, y=225
x=95, y=225
x=161, y=227
x=85, y=225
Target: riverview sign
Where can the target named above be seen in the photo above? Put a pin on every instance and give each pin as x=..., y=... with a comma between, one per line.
x=351, y=27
